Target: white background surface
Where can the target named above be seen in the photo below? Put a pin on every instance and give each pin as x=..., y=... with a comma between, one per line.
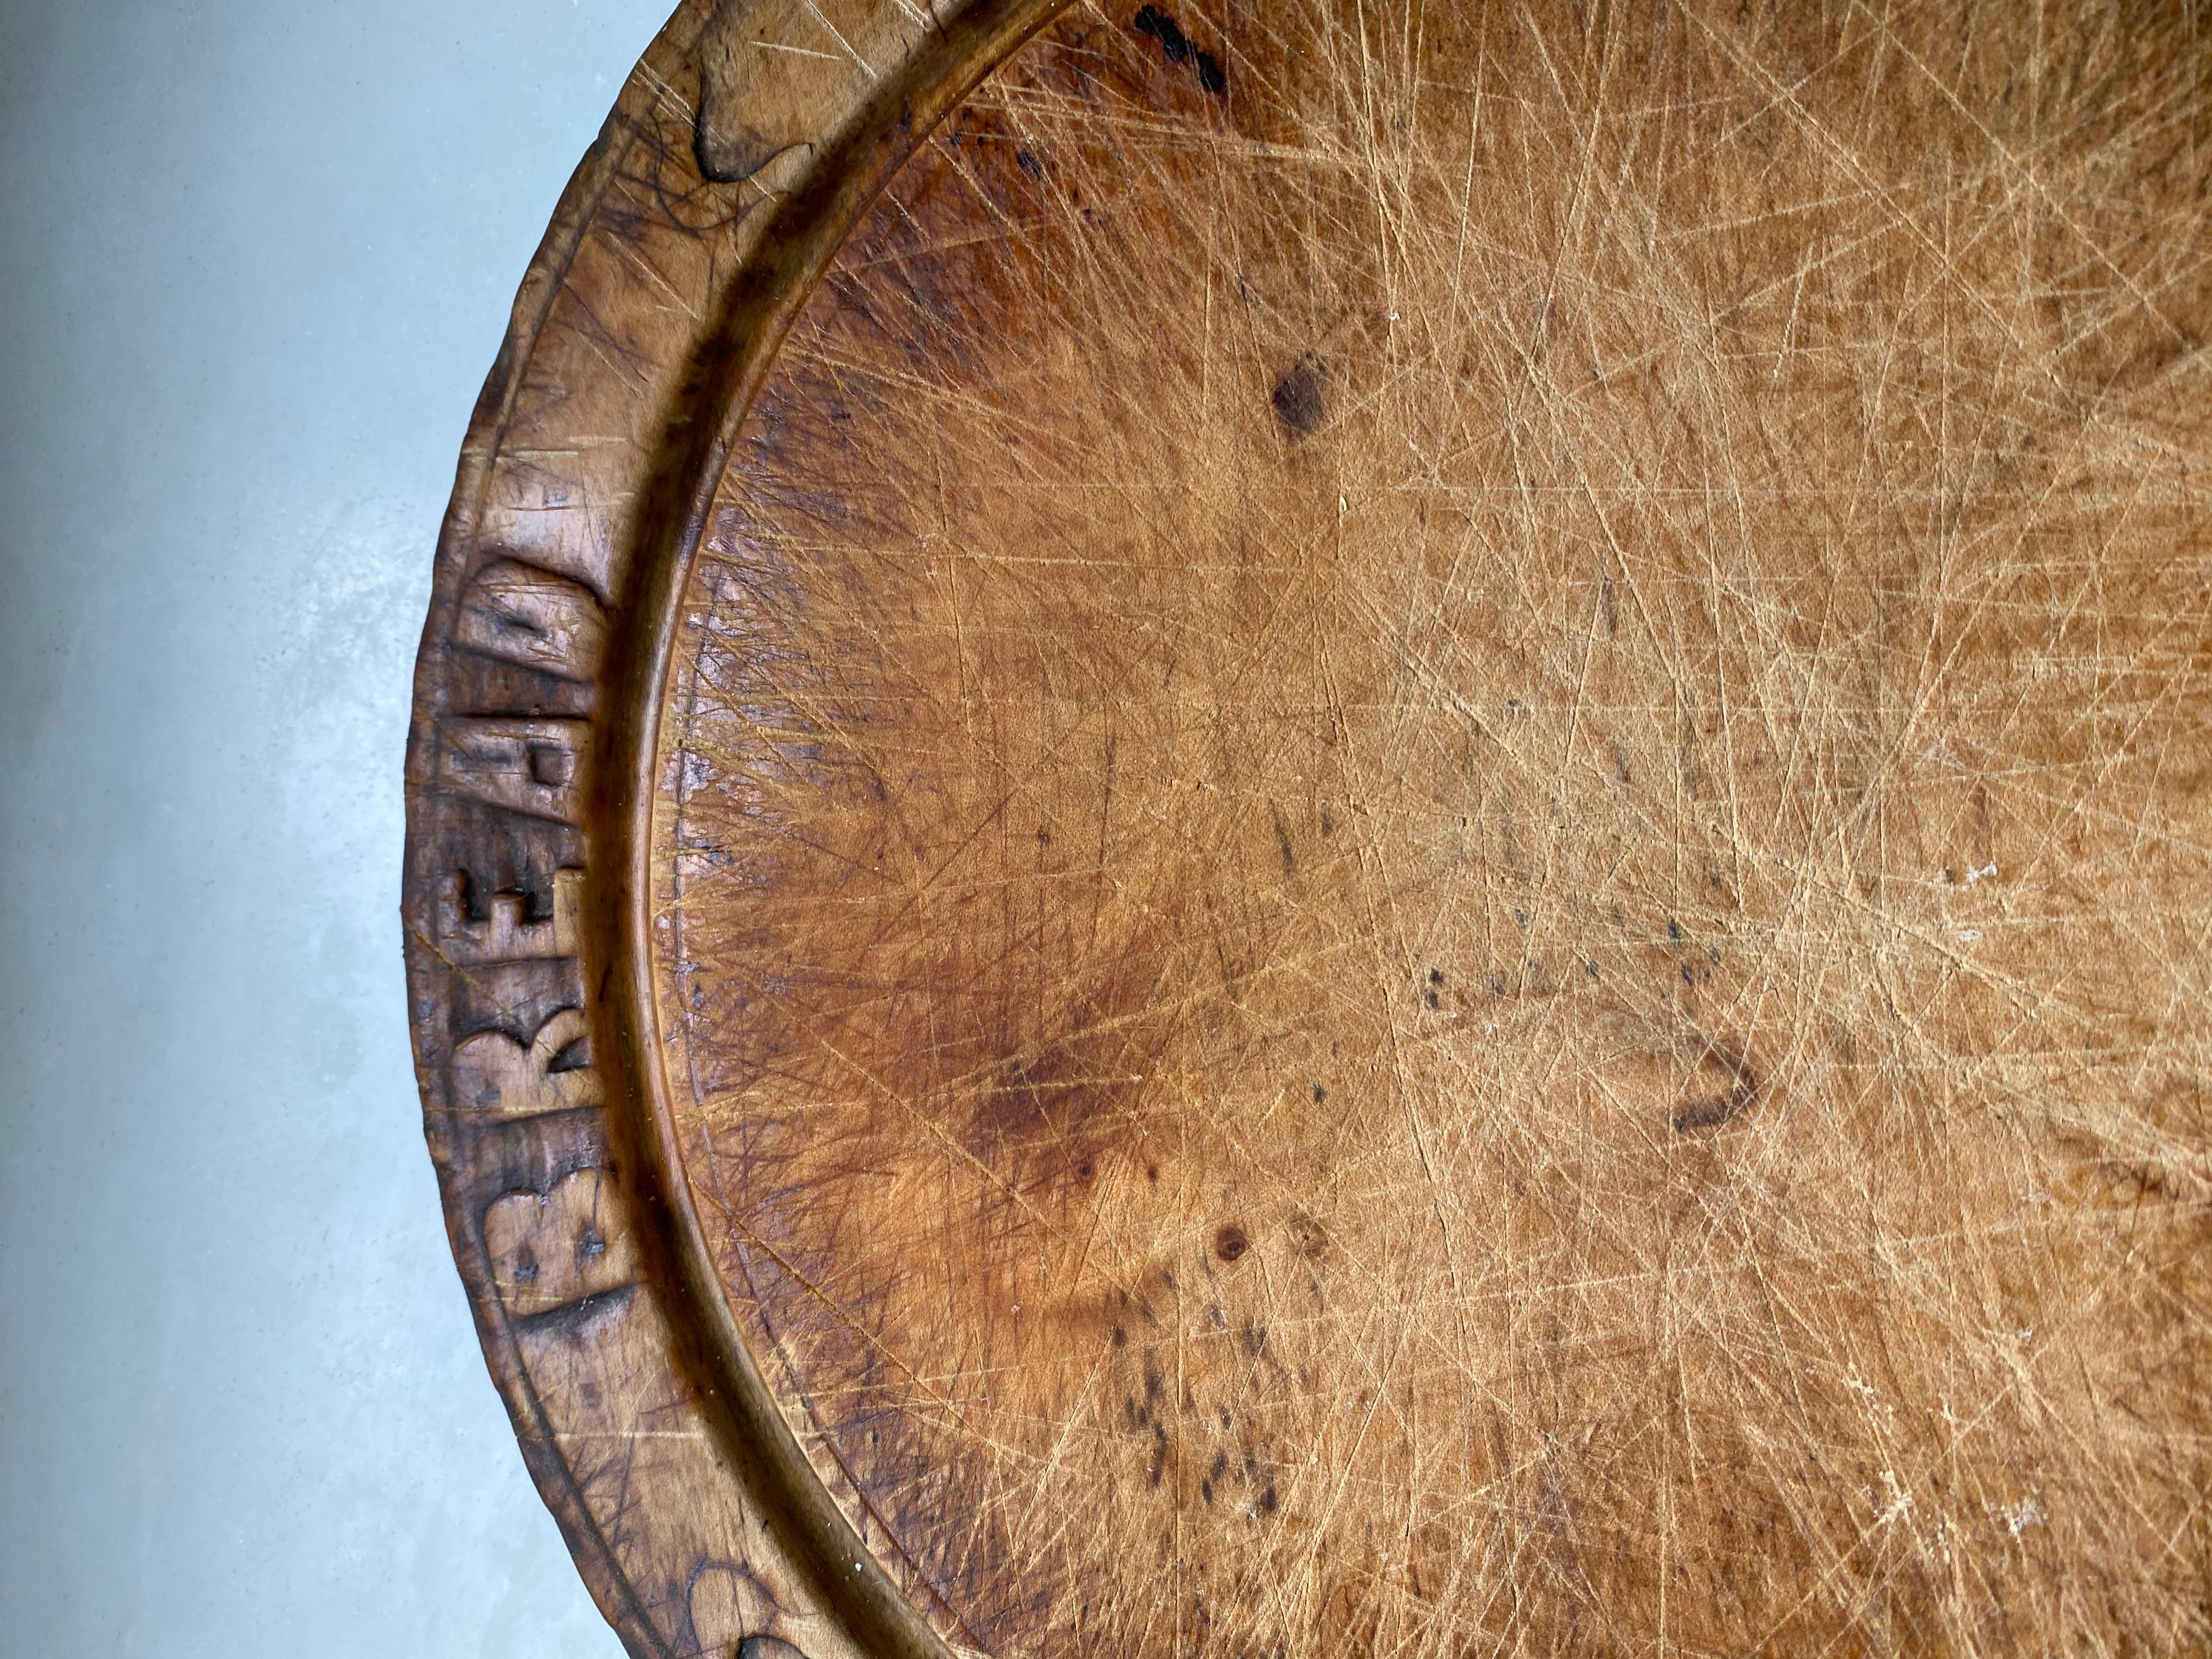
x=255, y=259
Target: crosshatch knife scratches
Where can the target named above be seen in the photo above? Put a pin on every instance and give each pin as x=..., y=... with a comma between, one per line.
x=1431, y=853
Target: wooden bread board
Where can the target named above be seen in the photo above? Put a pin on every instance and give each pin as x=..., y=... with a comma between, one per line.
x=1305, y=830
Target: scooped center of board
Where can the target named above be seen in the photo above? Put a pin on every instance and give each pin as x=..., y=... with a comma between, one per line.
x=1435, y=847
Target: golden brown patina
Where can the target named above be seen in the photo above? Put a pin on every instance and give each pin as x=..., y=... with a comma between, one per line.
x=1405, y=853
x=1434, y=838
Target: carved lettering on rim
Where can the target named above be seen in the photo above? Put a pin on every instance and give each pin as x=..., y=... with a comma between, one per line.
x=522, y=614
x=494, y=1073
x=550, y=1249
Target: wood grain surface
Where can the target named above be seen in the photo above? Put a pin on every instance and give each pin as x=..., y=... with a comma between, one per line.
x=1431, y=859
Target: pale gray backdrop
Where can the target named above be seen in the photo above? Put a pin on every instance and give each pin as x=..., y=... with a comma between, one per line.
x=255, y=258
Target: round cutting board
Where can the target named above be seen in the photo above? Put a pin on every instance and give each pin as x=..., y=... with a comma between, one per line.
x=1302, y=829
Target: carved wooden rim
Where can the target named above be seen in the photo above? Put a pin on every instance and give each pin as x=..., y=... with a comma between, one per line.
x=731, y=167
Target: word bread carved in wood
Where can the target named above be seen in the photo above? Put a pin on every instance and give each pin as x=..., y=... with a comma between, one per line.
x=1293, y=829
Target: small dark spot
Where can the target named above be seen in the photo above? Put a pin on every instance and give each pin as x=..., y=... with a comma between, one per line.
x=1044, y=837
x=589, y=1243
x=1220, y=1462
x=1436, y=975
x=1297, y=399
x=1283, y=843
x=1712, y=953
x=1309, y=1237
x=1520, y=916
x=1327, y=818
x=1267, y=1498
x=1705, y=1114
x=1429, y=997
x=1121, y=1337
x=1320, y=1094
x=1029, y=164
x=1157, y=25
x=1712, y=1113
x=1211, y=75
x=1255, y=1340
x=1689, y=975
x=1590, y=968
x=1224, y=1417
x=1674, y=930
x=1205, y=1490
x=1152, y=1172
x=1229, y=1242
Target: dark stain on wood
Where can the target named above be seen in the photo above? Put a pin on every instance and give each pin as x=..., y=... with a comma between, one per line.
x=1297, y=398
x=1156, y=25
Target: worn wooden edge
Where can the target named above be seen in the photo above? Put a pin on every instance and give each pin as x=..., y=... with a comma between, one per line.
x=817, y=221
x=683, y=246
x=734, y=361
x=452, y=1143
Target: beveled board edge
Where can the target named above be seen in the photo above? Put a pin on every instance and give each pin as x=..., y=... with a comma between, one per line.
x=743, y=148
